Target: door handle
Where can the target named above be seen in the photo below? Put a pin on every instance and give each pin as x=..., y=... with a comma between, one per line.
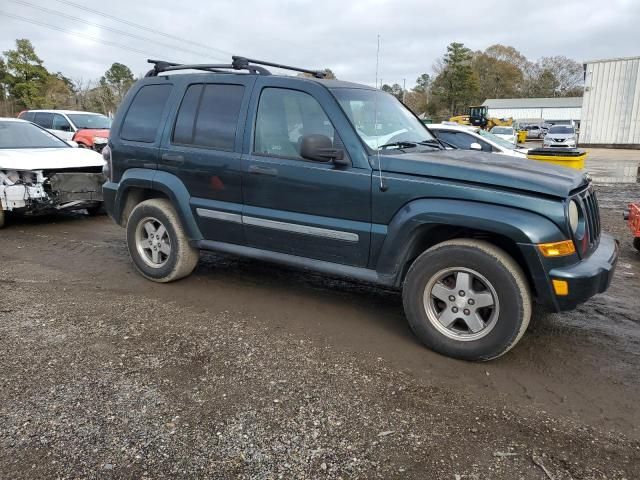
x=172, y=159
x=258, y=170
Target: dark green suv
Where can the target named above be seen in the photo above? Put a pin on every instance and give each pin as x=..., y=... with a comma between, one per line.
x=342, y=179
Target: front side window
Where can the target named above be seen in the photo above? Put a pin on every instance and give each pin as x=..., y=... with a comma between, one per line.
x=462, y=140
x=284, y=117
x=143, y=117
x=44, y=119
x=379, y=118
x=61, y=123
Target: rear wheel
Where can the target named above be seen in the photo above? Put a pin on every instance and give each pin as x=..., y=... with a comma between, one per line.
x=636, y=243
x=467, y=299
x=158, y=245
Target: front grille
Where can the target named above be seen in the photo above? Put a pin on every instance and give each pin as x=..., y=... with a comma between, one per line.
x=588, y=203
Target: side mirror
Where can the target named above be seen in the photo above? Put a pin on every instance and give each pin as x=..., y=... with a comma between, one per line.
x=475, y=146
x=319, y=148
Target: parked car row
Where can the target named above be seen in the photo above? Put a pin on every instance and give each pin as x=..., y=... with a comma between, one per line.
x=87, y=129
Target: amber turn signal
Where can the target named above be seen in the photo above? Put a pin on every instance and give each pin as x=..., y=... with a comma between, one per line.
x=561, y=287
x=557, y=249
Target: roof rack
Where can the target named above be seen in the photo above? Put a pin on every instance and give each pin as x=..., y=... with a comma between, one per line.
x=255, y=67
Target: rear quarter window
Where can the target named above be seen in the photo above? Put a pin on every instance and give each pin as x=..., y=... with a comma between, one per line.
x=143, y=118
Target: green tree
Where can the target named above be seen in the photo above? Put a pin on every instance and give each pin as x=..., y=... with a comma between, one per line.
x=455, y=85
x=395, y=90
x=25, y=75
x=423, y=83
x=496, y=78
x=568, y=75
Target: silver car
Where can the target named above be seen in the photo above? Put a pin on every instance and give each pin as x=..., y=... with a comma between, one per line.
x=561, y=136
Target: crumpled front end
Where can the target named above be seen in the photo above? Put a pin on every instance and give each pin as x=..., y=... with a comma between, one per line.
x=39, y=191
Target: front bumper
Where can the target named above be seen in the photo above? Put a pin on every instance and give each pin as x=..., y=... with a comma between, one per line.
x=588, y=277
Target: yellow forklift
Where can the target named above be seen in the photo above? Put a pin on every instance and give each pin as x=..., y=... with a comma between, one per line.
x=478, y=117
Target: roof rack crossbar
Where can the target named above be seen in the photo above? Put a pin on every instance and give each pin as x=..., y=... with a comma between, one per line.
x=239, y=63
x=247, y=61
x=162, y=66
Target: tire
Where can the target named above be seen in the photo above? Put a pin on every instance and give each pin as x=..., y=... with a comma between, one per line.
x=2, y=215
x=636, y=242
x=173, y=257
x=477, y=333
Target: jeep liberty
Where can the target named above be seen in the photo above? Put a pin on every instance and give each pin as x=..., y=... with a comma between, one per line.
x=342, y=179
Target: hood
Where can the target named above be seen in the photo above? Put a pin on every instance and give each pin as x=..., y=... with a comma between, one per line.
x=48, y=158
x=93, y=132
x=487, y=168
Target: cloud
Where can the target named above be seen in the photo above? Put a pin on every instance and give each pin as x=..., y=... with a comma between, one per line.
x=340, y=35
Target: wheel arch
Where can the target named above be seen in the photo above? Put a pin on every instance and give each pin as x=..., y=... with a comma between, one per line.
x=424, y=223
x=138, y=185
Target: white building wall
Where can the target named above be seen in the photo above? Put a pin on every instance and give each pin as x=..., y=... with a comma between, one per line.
x=563, y=113
x=611, y=103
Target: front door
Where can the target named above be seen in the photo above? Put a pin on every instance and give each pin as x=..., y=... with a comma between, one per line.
x=293, y=205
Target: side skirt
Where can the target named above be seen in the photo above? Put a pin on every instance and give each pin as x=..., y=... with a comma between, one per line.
x=346, y=271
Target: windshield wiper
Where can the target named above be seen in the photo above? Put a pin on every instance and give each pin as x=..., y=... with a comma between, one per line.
x=400, y=145
x=432, y=143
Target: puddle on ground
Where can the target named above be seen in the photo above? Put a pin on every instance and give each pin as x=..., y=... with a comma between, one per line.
x=617, y=171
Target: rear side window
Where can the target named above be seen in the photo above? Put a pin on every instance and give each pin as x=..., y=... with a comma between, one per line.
x=27, y=116
x=44, y=119
x=143, y=117
x=208, y=116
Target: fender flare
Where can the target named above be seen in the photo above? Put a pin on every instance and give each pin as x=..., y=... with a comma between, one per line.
x=414, y=220
x=163, y=182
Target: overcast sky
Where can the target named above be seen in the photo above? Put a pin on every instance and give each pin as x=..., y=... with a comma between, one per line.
x=339, y=34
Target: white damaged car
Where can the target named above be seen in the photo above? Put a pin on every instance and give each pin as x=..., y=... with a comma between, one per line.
x=39, y=173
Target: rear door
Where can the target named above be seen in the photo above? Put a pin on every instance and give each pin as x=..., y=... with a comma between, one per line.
x=203, y=149
x=293, y=205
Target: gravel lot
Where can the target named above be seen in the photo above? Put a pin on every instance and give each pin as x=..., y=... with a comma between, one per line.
x=247, y=370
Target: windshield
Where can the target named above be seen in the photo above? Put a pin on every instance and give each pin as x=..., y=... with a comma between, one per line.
x=380, y=119
x=27, y=135
x=502, y=130
x=561, y=129
x=497, y=140
x=90, y=120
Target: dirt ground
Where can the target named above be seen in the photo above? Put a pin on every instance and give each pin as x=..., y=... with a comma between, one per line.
x=248, y=370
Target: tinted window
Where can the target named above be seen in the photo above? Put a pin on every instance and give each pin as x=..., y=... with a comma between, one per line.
x=90, y=120
x=60, y=123
x=143, y=117
x=183, y=130
x=27, y=116
x=44, y=119
x=284, y=116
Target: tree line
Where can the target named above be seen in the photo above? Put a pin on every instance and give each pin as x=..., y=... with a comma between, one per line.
x=463, y=77
x=25, y=83
x=460, y=78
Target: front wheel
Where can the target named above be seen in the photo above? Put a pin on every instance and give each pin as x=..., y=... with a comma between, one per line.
x=636, y=243
x=158, y=245
x=467, y=299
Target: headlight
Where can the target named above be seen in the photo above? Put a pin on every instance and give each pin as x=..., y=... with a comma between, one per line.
x=100, y=140
x=574, y=216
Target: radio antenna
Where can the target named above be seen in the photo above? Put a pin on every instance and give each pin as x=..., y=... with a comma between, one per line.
x=383, y=187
